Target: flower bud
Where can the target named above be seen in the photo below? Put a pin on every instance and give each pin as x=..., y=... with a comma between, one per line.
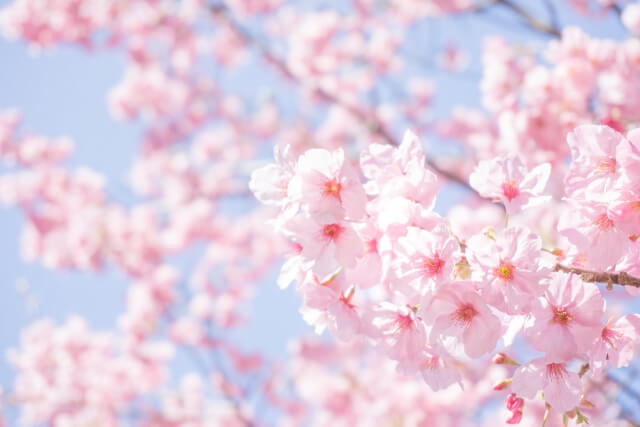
x=503, y=359
x=503, y=384
x=516, y=417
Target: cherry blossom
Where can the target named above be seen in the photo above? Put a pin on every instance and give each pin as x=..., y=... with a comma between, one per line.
x=325, y=183
x=435, y=307
x=511, y=268
x=462, y=318
x=569, y=321
x=506, y=180
x=561, y=387
x=426, y=258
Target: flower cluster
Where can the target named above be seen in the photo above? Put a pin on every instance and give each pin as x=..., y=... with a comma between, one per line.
x=413, y=296
x=375, y=261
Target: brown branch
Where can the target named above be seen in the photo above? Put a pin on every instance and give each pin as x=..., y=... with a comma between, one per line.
x=620, y=278
x=553, y=14
x=530, y=20
x=374, y=126
x=205, y=370
x=616, y=8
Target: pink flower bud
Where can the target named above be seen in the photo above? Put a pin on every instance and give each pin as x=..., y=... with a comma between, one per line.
x=516, y=417
x=502, y=384
x=513, y=402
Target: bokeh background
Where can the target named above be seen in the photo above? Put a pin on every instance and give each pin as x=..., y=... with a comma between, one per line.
x=62, y=91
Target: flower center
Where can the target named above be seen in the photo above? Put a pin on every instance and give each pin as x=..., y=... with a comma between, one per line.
x=555, y=371
x=434, y=265
x=610, y=336
x=607, y=164
x=510, y=190
x=430, y=363
x=465, y=314
x=504, y=271
x=561, y=315
x=603, y=222
x=404, y=321
x=332, y=231
x=332, y=188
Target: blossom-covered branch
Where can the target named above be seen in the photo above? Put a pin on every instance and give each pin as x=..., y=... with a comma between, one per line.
x=413, y=290
x=620, y=278
x=365, y=117
x=529, y=19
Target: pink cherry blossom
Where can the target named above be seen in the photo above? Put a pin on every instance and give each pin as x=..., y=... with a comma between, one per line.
x=629, y=158
x=631, y=18
x=425, y=258
x=414, y=283
x=270, y=183
x=590, y=228
x=595, y=165
x=569, y=321
x=329, y=303
x=459, y=314
x=624, y=211
x=399, y=172
x=326, y=182
x=400, y=332
x=561, y=387
x=506, y=180
x=511, y=268
x=327, y=240
x=617, y=343
x=370, y=269
x=438, y=371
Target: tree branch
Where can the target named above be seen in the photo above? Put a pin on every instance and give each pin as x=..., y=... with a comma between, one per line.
x=616, y=8
x=205, y=370
x=221, y=11
x=620, y=278
x=553, y=14
x=530, y=20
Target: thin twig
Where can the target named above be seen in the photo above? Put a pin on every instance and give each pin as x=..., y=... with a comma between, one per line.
x=374, y=126
x=620, y=278
x=616, y=8
x=533, y=22
x=553, y=14
x=204, y=368
x=530, y=20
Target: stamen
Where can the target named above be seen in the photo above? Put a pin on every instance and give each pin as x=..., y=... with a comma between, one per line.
x=607, y=164
x=603, y=222
x=504, y=271
x=510, y=190
x=332, y=188
x=434, y=265
x=555, y=371
x=332, y=231
x=561, y=315
x=465, y=314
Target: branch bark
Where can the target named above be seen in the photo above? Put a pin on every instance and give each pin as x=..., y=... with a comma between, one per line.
x=620, y=278
x=222, y=12
x=530, y=20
